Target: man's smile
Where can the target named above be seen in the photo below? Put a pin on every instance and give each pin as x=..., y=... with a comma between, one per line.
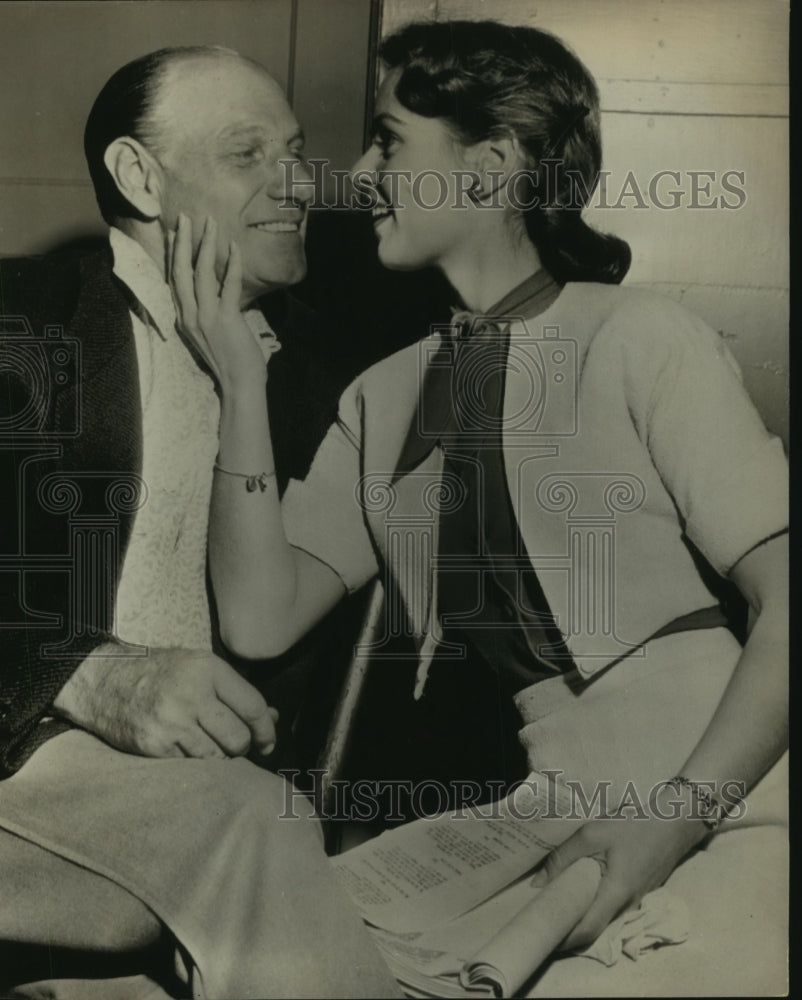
x=276, y=227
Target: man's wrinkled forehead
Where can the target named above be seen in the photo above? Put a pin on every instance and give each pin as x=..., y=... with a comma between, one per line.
x=211, y=96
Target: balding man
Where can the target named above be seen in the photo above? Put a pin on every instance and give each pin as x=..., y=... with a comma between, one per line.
x=130, y=816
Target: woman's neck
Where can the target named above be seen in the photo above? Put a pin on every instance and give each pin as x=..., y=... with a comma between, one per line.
x=484, y=273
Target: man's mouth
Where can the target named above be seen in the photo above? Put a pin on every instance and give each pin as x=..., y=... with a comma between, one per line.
x=276, y=227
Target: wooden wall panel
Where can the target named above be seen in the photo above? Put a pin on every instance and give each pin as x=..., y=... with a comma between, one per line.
x=330, y=78
x=35, y=217
x=56, y=57
x=732, y=42
x=743, y=246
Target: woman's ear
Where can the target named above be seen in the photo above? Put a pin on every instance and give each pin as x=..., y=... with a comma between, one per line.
x=495, y=161
x=137, y=175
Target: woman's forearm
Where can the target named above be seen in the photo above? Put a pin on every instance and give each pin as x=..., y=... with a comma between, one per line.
x=268, y=593
x=252, y=565
x=749, y=729
x=256, y=575
x=746, y=735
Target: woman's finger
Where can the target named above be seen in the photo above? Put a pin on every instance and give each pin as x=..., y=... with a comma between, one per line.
x=612, y=898
x=561, y=857
x=232, y=283
x=183, y=282
x=206, y=283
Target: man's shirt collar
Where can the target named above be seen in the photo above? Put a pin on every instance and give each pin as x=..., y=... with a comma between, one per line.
x=134, y=266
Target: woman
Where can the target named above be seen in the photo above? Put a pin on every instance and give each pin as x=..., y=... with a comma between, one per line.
x=582, y=450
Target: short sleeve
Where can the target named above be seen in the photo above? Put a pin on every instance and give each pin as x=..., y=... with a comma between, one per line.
x=322, y=514
x=727, y=475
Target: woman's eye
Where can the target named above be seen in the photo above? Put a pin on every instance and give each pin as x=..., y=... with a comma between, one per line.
x=386, y=143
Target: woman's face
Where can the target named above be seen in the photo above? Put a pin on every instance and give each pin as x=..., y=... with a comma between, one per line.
x=424, y=216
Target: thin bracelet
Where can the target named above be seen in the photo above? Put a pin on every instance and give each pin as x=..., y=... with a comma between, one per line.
x=711, y=812
x=252, y=480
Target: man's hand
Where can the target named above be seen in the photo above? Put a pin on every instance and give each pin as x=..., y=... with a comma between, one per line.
x=170, y=703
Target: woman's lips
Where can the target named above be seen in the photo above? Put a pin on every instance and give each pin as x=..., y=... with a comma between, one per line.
x=380, y=212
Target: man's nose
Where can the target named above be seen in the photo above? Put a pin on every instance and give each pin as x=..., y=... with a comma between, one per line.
x=293, y=182
x=302, y=182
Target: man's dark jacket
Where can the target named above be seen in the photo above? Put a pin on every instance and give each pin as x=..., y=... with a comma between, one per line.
x=70, y=457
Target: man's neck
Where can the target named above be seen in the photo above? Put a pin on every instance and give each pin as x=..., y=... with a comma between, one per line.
x=150, y=236
x=144, y=278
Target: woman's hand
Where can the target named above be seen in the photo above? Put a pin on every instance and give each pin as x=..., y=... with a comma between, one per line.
x=209, y=310
x=637, y=854
x=745, y=737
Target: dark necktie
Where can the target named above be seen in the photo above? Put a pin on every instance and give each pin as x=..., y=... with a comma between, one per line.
x=459, y=379
x=461, y=409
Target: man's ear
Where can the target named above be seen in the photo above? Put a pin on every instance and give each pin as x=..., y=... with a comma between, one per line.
x=137, y=175
x=496, y=161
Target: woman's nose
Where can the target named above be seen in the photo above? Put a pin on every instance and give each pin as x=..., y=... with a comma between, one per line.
x=369, y=162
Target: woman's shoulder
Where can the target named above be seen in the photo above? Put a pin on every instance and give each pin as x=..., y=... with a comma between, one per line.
x=403, y=368
x=626, y=304
x=638, y=318
x=390, y=386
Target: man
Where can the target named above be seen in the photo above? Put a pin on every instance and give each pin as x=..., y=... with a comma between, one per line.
x=126, y=793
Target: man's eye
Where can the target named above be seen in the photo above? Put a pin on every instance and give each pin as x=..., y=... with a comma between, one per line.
x=251, y=154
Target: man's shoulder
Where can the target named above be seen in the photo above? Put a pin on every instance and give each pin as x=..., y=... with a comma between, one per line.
x=46, y=289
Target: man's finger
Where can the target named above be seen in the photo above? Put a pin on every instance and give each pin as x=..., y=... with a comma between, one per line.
x=243, y=699
x=205, y=279
x=195, y=743
x=183, y=282
x=227, y=730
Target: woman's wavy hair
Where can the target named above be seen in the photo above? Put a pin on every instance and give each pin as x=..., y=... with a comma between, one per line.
x=487, y=80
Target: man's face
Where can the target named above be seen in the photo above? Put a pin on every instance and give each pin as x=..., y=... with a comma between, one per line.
x=228, y=128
